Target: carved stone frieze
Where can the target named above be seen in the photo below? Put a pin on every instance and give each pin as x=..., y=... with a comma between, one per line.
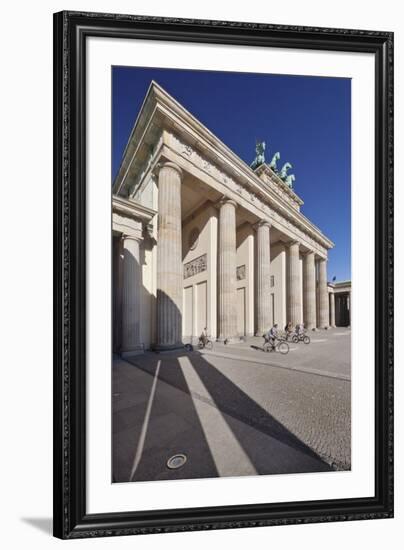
x=285, y=220
x=202, y=163
x=195, y=266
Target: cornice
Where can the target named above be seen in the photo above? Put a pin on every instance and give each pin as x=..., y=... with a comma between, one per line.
x=132, y=209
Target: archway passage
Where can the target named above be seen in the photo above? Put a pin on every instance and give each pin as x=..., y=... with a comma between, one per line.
x=342, y=310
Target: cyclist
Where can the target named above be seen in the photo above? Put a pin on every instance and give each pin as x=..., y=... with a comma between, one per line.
x=203, y=338
x=288, y=330
x=272, y=335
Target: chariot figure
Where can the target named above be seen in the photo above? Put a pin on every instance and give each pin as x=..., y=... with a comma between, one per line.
x=283, y=172
x=260, y=155
x=290, y=179
x=274, y=160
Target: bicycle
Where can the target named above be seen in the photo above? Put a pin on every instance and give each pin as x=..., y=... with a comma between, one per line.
x=301, y=338
x=208, y=344
x=280, y=345
x=287, y=336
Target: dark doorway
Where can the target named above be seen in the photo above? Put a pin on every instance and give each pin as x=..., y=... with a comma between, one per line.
x=342, y=310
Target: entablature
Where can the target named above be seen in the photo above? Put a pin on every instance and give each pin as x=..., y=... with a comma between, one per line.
x=130, y=217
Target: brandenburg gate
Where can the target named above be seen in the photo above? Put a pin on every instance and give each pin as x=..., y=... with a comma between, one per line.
x=202, y=239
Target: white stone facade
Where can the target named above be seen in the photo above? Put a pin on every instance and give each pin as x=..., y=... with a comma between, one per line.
x=208, y=242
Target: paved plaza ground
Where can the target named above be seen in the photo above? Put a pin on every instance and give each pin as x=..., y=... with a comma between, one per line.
x=234, y=410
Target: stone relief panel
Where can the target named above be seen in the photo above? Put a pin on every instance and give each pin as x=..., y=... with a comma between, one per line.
x=240, y=272
x=195, y=266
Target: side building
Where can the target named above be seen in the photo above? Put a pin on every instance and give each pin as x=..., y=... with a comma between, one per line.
x=202, y=240
x=340, y=303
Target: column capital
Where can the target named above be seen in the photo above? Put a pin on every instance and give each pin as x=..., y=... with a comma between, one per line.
x=262, y=223
x=226, y=200
x=169, y=164
x=132, y=236
x=293, y=242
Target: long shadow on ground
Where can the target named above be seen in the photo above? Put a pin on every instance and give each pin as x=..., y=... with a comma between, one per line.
x=240, y=409
x=168, y=432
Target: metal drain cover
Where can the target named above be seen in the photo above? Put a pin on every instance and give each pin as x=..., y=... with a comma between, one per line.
x=176, y=461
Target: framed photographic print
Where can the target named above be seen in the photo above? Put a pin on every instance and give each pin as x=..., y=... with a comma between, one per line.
x=223, y=267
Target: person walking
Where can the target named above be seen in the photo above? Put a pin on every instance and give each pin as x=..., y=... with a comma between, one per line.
x=203, y=338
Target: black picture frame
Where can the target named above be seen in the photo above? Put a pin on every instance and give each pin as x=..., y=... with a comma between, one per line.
x=71, y=30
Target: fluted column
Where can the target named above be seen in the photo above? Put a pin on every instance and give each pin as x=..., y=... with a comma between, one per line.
x=332, y=309
x=263, y=277
x=294, y=300
x=169, y=258
x=309, y=291
x=227, y=271
x=131, y=284
x=324, y=312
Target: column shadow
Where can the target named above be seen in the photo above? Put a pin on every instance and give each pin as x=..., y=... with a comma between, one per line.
x=173, y=426
x=237, y=405
x=270, y=446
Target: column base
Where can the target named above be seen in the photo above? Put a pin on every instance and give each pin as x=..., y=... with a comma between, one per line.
x=137, y=350
x=230, y=340
x=167, y=347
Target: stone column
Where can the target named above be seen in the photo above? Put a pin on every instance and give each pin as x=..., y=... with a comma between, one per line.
x=332, y=309
x=324, y=311
x=294, y=297
x=169, y=258
x=309, y=291
x=227, y=272
x=263, y=277
x=131, y=284
x=117, y=271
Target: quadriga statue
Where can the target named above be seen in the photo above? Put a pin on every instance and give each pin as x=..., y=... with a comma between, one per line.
x=274, y=160
x=283, y=172
x=290, y=179
x=260, y=155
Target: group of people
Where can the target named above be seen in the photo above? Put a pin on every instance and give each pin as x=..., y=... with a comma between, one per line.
x=272, y=335
x=299, y=328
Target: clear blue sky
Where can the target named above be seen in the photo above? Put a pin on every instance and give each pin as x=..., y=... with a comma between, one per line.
x=307, y=119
